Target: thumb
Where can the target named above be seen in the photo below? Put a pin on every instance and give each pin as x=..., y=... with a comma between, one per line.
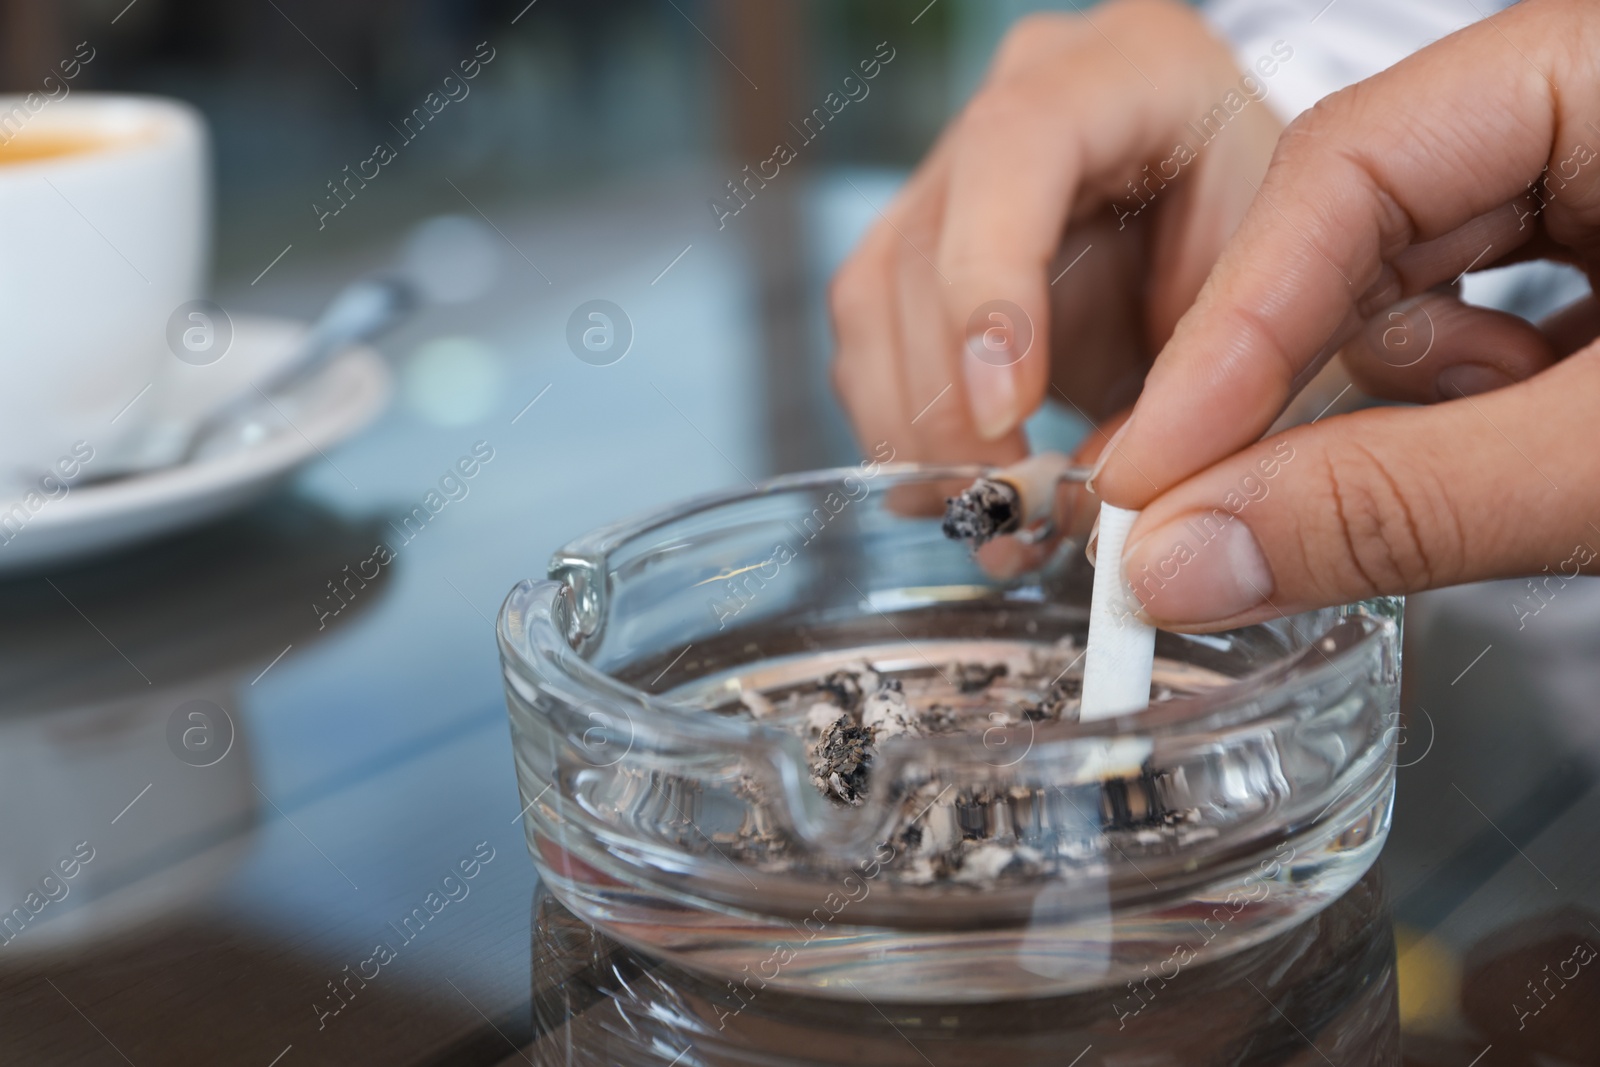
x=1384, y=501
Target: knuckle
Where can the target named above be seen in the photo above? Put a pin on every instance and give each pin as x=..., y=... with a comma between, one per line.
x=1388, y=530
x=1309, y=140
x=1334, y=133
x=1314, y=123
x=1025, y=38
x=1331, y=138
x=1264, y=336
x=849, y=289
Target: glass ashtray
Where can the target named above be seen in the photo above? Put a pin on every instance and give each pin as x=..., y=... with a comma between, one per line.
x=598, y=1004
x=796, y=738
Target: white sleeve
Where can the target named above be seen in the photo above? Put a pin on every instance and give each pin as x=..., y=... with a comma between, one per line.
x=1335, y=43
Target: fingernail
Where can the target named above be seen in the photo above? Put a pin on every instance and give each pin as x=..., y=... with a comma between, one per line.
x=1470, y=379
x=1091, y=547
x=991, y=392
x=1106, y=454
x=1199, y=569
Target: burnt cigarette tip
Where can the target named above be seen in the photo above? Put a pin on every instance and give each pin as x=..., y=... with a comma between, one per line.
x=982, y=512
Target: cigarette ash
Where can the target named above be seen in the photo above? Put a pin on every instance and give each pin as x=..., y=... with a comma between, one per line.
x=848, y=714
x=976, y=677
x=982, y=512
x=1061, y=694
x=863, y=708
x=944, y=836
x=839, y=759
x=972, y=837
x=966, y=837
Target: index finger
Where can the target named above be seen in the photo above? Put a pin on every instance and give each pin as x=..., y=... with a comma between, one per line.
x=1443, y=139
x=1041, y=146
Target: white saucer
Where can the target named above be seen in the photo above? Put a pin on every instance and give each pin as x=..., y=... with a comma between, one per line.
x=310, y=418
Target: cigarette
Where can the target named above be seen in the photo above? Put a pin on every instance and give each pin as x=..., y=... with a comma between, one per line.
x=1007, y=500
x=1120, y=656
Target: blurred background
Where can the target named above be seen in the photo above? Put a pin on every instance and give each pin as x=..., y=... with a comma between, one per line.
x=600, y=132
x=581, y=165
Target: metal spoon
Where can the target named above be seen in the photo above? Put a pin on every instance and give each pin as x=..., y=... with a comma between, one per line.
x=363, y=310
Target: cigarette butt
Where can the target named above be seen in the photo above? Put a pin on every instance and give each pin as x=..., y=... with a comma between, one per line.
x=1007, y=500
x=1120, y=656
x=1035, y=480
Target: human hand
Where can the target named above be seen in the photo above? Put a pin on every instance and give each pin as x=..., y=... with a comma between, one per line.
x=1475, y=152
x=1085, y=139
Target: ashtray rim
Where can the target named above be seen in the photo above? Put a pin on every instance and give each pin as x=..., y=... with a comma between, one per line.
x=535, y=621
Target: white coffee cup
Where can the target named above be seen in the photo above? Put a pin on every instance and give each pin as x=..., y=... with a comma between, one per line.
x=105, y=202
